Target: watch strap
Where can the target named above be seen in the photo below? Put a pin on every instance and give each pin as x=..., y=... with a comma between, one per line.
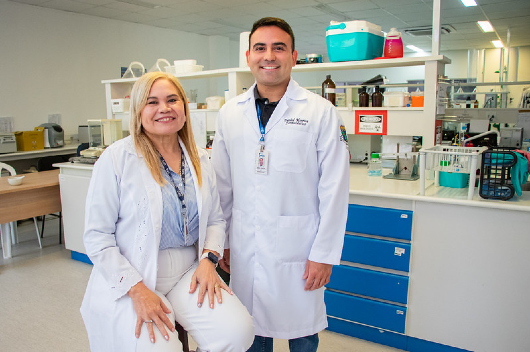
x=211, y=257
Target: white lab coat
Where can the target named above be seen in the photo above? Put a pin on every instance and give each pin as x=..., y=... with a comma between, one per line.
x=122, y=234
x=295, y=213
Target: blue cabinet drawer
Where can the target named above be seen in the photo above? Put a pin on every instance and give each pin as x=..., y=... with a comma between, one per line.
x=378, y=314
x=389, y=287
x=376, y=252
x=379, y=221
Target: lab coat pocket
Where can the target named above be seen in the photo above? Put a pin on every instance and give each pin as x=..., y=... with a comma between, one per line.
x=294, y=237
x=289, y=150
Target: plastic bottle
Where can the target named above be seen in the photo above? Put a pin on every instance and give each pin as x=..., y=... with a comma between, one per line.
x=328, y=89
x=364, y=98
x=375, y=166
x=393, y=44
x=468, y=103
x=377, y=98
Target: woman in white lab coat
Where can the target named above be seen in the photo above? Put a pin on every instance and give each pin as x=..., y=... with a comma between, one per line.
x=284, y=215
x=154, y=230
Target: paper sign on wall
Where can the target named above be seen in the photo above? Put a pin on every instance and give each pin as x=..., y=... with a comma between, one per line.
x=370, y=122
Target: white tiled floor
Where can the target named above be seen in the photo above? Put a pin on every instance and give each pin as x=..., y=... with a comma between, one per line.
x=41, y=292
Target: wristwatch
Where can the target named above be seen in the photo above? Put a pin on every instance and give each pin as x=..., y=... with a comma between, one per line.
x=211, y=257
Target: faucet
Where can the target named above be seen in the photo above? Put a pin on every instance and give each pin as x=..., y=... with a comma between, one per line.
x=482, y=135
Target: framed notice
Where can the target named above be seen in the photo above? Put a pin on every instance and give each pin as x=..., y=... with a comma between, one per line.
x=370, y=122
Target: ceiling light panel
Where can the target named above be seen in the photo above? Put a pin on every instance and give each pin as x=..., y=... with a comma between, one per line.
x=497, y=43
x=485, y=26
x=468, y=3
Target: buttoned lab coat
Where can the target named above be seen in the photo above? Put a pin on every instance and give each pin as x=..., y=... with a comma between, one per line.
x=296, y=212
x=122, y=234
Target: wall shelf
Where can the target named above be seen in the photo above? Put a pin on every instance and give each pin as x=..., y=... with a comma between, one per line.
x=404, y=121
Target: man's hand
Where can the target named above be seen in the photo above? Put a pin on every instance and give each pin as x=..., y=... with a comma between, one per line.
x=316, y=275
x=224, y=263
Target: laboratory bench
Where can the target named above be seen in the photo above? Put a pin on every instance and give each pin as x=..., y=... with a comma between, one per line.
x=434, y=272
x=23, y=160
x=419, y=273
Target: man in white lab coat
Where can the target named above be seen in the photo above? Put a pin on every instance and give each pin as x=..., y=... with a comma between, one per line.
x=281, y=158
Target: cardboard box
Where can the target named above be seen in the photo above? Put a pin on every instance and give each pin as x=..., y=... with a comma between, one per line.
x=30, y=140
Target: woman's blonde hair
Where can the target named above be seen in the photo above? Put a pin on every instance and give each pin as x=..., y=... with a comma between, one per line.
x=142, y=143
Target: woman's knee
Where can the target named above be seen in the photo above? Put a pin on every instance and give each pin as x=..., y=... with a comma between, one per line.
x=238, y=329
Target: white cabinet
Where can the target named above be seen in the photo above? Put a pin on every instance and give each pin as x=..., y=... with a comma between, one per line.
x=74, y=180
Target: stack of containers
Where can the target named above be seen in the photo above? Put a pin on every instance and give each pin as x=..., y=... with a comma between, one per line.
x=184, y=66
x=354, y=40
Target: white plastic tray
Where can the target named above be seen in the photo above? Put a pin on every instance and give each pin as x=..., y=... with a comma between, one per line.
x=450, y=159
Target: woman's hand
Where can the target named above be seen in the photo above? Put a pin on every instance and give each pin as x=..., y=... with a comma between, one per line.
x=150, y=310
x=206, y=277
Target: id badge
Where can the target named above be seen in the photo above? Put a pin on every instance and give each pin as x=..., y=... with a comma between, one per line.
x=185, y=219
x=262, y=162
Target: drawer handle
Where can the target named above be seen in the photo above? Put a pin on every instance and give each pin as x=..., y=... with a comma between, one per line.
x=404, y=216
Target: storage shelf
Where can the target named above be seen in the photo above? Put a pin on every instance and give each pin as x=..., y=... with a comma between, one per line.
x=367, y=64
x=328, y=66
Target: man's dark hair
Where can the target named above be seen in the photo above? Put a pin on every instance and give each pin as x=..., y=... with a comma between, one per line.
x=272, y=21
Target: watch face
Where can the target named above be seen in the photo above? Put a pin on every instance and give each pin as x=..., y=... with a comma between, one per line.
x=213, y=258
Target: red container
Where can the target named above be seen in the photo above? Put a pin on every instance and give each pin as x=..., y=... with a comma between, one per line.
x=393, y=44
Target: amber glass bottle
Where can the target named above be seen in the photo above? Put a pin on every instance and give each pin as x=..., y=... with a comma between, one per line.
x=364, y=98
x=328, y=89
x=377, y=98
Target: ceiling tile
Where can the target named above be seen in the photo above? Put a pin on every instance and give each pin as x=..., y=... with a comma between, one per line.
x=466, y=11
x=164, y=12
x=67, y=5
x=518, y=6
x=195, y=6
x=106, y=12
x=96, y=2
x=125, y=6
x=291, y=4
x=348, y=6
x=388, y=3
x=418, y=9
x=136, y=17
x=230, y=3
x=453, y=4
x=31, y=2
x=257, y=9
x=307, y=11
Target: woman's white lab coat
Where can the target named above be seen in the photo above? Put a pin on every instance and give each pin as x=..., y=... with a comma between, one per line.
x=280, y=220
x=122, y=234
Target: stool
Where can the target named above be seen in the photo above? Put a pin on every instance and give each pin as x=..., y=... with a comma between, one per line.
x=183, y=337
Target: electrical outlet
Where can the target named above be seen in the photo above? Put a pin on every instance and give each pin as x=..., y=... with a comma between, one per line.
x=55, y=118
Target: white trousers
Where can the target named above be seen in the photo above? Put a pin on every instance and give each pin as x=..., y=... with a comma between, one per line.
x=226, y=328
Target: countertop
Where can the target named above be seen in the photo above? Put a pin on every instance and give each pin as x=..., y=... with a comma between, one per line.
x=66, y=150
x=362, y=184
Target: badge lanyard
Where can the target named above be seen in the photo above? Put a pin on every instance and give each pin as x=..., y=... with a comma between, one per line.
x=261, y=129
x=262, y=156
x=180, y=194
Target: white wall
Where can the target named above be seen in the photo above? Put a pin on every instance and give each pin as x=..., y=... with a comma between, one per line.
x=53, y=61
